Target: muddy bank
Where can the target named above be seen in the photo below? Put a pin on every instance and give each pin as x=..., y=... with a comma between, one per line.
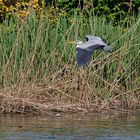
x=47, y=98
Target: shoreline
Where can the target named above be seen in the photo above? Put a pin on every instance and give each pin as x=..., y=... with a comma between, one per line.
x=36, y=100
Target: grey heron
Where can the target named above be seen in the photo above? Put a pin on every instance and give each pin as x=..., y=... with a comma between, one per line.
x=86, y=49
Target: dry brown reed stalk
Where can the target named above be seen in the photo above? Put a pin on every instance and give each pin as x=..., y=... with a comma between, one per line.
x=74, y=92
x=35, y=99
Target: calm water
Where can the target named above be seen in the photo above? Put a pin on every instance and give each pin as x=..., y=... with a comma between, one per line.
x=70, y=127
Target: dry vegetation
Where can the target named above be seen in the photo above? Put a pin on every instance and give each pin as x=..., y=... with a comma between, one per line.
x=38, y=71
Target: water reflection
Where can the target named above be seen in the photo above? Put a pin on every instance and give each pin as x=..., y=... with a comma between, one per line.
x=70, y=127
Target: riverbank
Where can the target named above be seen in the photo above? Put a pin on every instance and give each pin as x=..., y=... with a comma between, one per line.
x=53, y=98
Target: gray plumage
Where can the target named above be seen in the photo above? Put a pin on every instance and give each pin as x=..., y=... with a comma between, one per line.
x=86, y=49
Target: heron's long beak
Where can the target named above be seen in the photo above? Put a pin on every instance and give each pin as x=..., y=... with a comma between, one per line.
x=72, y=42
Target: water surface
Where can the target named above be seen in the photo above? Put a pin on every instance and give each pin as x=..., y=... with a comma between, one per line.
x=70, y=127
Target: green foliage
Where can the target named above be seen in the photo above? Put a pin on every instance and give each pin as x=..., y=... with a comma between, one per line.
x=114, y=10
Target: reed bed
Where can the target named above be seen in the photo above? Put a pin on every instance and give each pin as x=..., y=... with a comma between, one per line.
x=38, y=72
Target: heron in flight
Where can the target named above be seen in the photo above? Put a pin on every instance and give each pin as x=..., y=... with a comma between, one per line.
x=86, y=49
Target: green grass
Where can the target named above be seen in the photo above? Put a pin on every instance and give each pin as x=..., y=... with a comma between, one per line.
x=33, y=50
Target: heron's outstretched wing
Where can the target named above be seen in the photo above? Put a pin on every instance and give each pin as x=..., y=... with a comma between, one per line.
x=84, y=53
